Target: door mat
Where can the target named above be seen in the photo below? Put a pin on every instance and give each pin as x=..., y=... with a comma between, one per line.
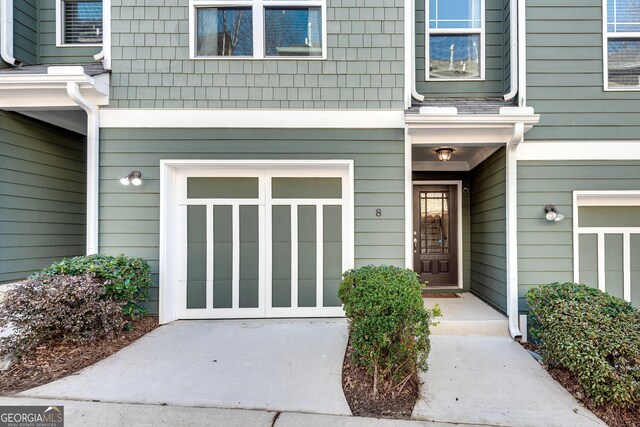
x=439, y=295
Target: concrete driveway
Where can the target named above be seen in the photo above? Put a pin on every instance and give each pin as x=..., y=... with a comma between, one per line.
x=277, y=365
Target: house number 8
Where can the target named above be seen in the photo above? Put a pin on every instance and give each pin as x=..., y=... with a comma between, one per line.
x=378, y=212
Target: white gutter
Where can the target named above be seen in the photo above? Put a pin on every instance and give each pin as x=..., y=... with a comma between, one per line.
x=6, y=32
x=105, y=54
x=522, y=53
x=513, y=51
x=410, y=53
x=93, y=139
x=512, y=230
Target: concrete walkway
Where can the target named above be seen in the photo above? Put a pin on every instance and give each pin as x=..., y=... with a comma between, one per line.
x=288, y=373
x=479, y=375
x=279, y=365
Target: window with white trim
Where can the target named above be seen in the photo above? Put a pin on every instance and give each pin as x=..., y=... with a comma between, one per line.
x=455, y=40
x=79, y=22
x=622, y=44
x=258, y=28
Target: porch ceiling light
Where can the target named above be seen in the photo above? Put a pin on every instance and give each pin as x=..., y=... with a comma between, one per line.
x=444, y=153
x=133, y=177
x=552, y=213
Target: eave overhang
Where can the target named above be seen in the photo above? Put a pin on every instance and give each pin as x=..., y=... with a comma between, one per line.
x=48, y=90
x=446, y=127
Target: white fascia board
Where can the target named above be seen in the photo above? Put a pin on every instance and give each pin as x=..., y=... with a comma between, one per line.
x=50, y=90
x=583, y=150
x=205, y=118
x=471, y=119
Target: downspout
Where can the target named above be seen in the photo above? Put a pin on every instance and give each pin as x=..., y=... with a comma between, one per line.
x=512, y=230
x=6, y=32
x=93, y=138
x=410, y=40
x=522, y=53
x=105, y=54
x=513, y=50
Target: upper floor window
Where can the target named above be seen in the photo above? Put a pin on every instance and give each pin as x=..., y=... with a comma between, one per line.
x=79, y=22
x=622, y=44
x=258, y=28
x=455, y=40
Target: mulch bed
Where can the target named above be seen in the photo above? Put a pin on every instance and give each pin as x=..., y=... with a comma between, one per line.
x=357, y=385
x=613, y=416
x=54, y=361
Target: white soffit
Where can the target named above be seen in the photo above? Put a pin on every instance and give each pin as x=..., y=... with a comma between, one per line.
x=263, y=118
x=466, y=128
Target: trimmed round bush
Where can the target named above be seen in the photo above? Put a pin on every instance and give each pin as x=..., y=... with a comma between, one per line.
x=389, y=324
x=125, y=279
x=594, y=335
x=58, y=308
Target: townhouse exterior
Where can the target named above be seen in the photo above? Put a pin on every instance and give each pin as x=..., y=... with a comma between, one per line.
x=276, y=144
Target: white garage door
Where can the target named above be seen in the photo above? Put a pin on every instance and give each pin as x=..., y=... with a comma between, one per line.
x=262, y=241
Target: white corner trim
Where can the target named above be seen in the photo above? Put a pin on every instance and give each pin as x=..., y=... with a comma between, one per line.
x=570, y=150
x=201, y=118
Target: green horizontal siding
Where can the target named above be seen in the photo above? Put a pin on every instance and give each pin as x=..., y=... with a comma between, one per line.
x=565, y=75
x=496, y=57
x=25, y=34
x=545, y=248
x=129, y=216
x=488, y=231
x=42, y=195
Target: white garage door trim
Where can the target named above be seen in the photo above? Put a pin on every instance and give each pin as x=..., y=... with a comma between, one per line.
x=172, y=258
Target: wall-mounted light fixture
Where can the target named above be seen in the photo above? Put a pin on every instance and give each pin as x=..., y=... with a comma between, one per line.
x=552, y=214
x=133, y=177
x=444, y=153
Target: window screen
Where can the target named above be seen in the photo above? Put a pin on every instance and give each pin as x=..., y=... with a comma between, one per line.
x=82, y=21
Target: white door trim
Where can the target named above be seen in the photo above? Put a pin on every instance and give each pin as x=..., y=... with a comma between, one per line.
x=171, y=268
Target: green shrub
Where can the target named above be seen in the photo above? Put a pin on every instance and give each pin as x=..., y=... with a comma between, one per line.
x=594, y=335
x=126, y=279
x=61, y=308
x=389, y=324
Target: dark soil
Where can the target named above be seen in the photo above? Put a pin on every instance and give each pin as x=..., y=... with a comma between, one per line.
x=53, y=361
x=614, y=416
x=357, y=385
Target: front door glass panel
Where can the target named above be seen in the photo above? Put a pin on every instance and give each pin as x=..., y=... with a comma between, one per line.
x=434, y=222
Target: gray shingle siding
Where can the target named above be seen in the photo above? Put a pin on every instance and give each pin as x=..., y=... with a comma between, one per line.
x=364, y=66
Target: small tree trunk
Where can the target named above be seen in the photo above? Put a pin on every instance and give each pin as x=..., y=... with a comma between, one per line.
x=375, y=381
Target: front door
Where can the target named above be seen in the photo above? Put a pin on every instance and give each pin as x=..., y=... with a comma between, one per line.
x=435, y=234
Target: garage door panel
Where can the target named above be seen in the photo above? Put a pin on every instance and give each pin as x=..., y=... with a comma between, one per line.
x=196, y=256
x=268, y=243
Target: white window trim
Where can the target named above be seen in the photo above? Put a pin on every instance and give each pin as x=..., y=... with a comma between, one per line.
x=171, y=300
x=456, y=31
x=258, y=27
x=606, y=35
x=604, y=198
x=60, y=28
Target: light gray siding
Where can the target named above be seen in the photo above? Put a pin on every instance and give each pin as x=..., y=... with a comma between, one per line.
x=493, y=84
x=48, y=52
x=25, y=34
x=129, y=216
x=152, y=69
x=545, y=248
x=565, y=75
x=42, y=195
x=488, y=231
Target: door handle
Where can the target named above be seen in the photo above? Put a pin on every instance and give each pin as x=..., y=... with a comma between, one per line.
x=415, y=245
